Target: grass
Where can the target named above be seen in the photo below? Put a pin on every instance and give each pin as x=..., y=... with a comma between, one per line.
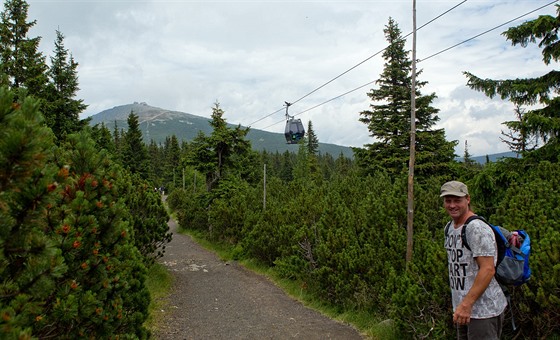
x=159, y=283
x=370, y=326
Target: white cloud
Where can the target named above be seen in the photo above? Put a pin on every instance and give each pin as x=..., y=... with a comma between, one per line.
x=251, y=56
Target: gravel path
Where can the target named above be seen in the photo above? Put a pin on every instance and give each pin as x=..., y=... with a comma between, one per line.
x=214, y=300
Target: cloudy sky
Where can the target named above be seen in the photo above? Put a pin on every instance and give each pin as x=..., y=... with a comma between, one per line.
x=251, y=56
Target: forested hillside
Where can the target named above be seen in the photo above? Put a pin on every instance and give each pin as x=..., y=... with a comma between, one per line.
x=82, y=221
x=158, y=124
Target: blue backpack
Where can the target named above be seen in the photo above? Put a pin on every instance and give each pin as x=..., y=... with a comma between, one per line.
x=514, y=248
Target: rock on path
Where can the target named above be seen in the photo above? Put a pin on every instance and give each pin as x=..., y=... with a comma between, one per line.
x=214, y=300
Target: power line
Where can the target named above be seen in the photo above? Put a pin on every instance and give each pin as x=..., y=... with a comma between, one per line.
x=431, y=56
x=273, y=113
x=487, y=31
x=375, y=54
x=358, y=64
x=323, y=103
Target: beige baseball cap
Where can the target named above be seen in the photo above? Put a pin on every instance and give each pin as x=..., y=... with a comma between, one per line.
x=454, y=188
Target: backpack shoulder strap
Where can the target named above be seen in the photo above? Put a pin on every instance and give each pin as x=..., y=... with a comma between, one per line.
x=446, y=232
x=463, y=231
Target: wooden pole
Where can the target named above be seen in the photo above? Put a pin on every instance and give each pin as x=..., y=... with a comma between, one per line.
x=412, y=160
x=264, y=189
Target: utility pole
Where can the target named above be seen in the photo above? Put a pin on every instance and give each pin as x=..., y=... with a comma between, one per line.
x=264, y=189
x=412, y=159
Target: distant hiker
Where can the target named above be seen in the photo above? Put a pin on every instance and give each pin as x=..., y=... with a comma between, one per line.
x=478, y=300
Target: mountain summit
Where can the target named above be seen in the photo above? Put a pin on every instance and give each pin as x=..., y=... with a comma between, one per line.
x=157, y=124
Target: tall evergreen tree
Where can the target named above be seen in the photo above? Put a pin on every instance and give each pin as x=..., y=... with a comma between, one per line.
x=103, y=137
x=134, y=153
x=544, y=121
x=225, y=150
x=62, y=111
x=388, y=120
x=467, y=157
x=172, y=154
x=118, y=141
x=311, y=141
x=156, y=163
x=517, y=138
x=22, y=65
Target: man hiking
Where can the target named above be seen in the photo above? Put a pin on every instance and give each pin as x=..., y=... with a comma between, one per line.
x=478, y=300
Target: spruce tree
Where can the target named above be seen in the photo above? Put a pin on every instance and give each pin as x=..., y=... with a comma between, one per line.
x=172, y=158
x=118, y=137
x=134, y=153
x=62, y=111
x=311, y=140
x=155, y=156
x=225, y=151
x=518, y=139
x=102, y=136
x=388, y=120
x=21, y=63
x=467, y=157
x=543, y=122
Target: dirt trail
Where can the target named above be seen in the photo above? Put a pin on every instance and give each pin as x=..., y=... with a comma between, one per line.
x=212, y=299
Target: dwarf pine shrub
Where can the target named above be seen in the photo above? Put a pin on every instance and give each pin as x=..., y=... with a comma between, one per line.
x=69, y=267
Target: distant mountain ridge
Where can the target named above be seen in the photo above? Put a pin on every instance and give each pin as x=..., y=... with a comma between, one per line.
x=157, y=124
x=493, y=157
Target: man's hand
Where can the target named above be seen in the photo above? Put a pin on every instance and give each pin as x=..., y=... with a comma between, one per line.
x=462, y=315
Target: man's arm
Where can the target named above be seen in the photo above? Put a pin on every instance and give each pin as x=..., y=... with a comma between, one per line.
x=486, y=271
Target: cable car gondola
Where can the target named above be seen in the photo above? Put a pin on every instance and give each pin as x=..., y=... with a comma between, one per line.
x=294, y=131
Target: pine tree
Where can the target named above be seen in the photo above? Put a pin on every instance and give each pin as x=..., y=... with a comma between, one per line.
x=311, y=140
x=172, y=158
x=134, y=153
x=62, y=111
x=21, y=62
x=518, y=139
x=102, y=136
x=103, y=294
x=543, y=122
x=467, y=158
x=68, y=262
x=155, y=155
x=30, y=261
x=226, y=150
x=118, y=137
x=389, y=118
x=148, y=216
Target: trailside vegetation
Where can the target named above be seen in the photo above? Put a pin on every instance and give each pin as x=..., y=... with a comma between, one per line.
x=388, y=119
x=541, y=123
x=81, y=215
x=338, y=226
x=79, y=228
x=68, y=260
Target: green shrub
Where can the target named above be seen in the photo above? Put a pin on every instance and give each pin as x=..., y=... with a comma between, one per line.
x=532, y=205
x=68, y=262
x=31, y=262
x=148, y=217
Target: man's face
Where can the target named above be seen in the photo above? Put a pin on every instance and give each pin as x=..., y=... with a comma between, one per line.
x=456, y=206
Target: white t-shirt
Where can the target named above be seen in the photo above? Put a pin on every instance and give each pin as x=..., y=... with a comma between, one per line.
x=463, y=268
